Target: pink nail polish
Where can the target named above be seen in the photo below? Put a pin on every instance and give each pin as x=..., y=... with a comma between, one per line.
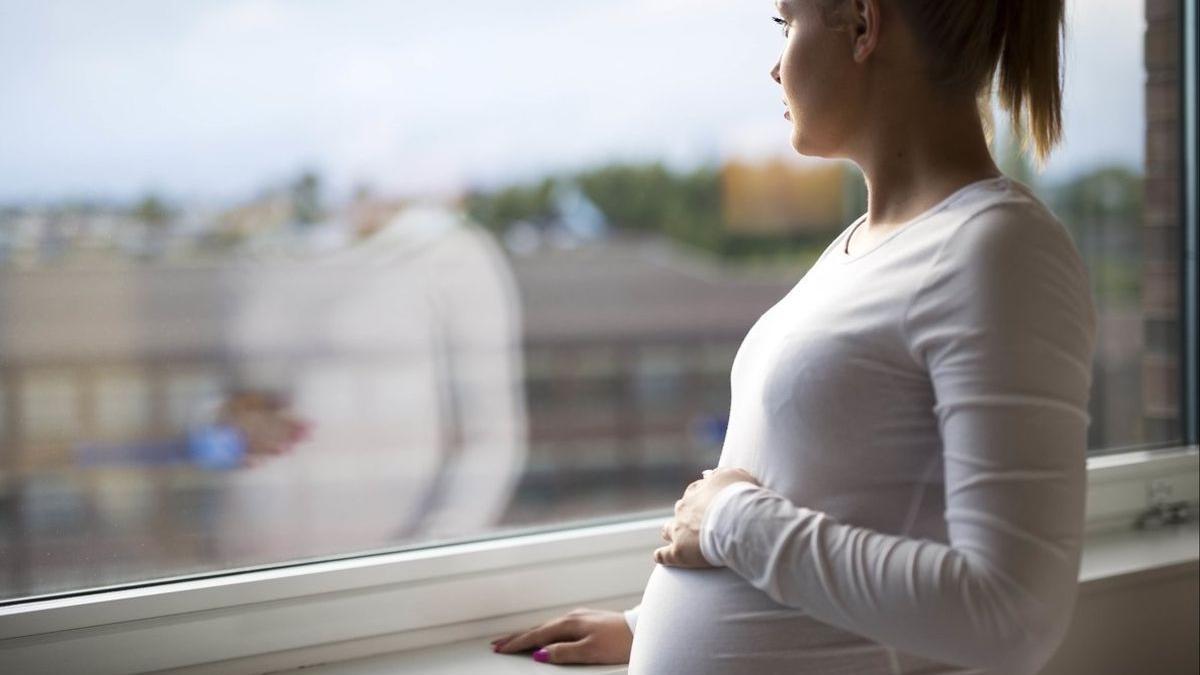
x=541, y=656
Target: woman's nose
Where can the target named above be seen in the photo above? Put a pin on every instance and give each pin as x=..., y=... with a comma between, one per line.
x=775, y=73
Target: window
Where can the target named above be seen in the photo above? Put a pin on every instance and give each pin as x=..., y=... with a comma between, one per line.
x=471, y=269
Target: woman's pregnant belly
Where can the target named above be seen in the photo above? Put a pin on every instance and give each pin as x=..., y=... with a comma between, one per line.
x=713, y=622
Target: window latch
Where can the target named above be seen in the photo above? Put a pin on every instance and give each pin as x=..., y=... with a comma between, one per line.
x=1162, y=511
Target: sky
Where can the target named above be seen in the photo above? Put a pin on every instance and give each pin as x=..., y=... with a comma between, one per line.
x=217, y=99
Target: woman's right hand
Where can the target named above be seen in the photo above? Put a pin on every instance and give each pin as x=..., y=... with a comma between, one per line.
x=265, y=421
x=579, y=636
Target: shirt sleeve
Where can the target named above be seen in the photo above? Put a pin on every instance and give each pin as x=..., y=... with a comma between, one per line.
x=631, y=616
x=1004, y=323
x=480, y=362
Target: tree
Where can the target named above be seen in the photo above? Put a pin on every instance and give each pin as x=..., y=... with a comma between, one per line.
x=306, y=198
x=1112, y=194
x=152, y=211
x=498, y=210
x=1103, y=211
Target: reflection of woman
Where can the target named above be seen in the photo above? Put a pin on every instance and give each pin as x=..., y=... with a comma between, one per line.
x=901, y=487
x=385, y=373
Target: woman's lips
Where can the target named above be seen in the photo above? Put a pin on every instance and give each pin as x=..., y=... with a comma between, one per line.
x=787, y=115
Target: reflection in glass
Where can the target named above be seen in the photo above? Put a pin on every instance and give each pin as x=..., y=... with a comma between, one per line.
x=281, y=281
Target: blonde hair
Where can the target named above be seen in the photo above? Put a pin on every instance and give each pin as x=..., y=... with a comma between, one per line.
x=977, y=46
x=1012, y=45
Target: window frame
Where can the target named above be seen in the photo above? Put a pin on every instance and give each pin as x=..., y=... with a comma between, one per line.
x=459, y=591
x=1190, y=214
x=441, y=593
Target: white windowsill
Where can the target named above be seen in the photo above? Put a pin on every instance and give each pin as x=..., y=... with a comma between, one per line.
x=415, y=600
x=1111, y=559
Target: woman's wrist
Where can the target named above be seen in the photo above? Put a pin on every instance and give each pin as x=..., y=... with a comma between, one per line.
x=711, y=536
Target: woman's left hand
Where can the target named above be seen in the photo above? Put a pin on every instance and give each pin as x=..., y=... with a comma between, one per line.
x=683, y=531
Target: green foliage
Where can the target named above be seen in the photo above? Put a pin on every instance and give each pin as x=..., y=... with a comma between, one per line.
x=1103, y=210
x=633, y=197
x=152, y=211
x=1117, y=281
x=649, y=198
x=1113, y=195
x=644, y=198
x=498, y=210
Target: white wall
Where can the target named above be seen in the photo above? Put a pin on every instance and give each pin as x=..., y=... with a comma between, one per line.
x=1144, y=624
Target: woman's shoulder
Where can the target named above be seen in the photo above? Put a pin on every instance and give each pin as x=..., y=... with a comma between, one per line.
x=1007, y=224
x=1006, y=247
x=1006, y=262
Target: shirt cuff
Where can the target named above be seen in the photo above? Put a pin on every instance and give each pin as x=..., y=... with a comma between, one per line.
x=631, y=616
x=711, y=534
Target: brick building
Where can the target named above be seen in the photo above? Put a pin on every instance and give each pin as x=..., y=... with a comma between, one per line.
x=1163, y=232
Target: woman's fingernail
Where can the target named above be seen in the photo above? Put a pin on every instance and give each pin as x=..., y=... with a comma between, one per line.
x=541, y=656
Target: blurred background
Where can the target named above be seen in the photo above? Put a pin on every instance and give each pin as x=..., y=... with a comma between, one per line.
x=282, y=281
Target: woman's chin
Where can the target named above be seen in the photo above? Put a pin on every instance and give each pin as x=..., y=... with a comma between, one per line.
x=805, y=146
x=800, y=144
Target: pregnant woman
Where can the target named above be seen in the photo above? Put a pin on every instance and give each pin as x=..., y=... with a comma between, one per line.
x=901, y=489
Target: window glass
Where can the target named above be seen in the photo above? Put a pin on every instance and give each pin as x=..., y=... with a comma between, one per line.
x=281, y=281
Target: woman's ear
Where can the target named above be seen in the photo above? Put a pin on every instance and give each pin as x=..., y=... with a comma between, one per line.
x=864, y=28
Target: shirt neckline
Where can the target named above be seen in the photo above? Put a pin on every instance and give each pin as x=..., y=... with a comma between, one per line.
x=840, y=244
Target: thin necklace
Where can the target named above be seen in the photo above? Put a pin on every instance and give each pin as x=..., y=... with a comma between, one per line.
x=851, y=235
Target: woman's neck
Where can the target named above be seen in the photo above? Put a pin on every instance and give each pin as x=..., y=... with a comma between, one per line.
x=917, y=154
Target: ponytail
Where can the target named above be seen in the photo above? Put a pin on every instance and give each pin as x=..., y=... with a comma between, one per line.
x=1030, y=84
x=970, y=44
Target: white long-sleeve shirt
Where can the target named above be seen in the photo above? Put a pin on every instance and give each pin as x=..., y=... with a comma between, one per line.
x=402, y=352
x=917, y=415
